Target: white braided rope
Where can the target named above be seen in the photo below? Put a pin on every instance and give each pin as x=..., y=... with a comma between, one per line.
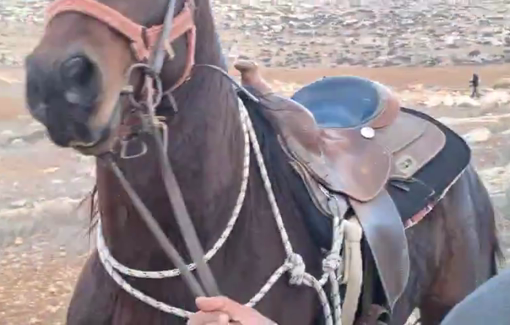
x=142, y=296
x=104, y=253
x=294, y=263
x=331, y=266
x=269, y=188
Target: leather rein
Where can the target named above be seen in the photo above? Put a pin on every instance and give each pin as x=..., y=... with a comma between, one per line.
x=150, y=46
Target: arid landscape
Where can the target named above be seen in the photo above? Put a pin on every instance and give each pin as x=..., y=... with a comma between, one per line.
x=426, y=51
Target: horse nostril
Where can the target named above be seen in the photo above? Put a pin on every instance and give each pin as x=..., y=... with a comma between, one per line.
x=80, y=80
x=77, y=71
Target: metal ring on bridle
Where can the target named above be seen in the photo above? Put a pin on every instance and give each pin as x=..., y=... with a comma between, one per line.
x=147, y=71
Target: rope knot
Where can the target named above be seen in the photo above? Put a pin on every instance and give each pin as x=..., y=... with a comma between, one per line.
x=297, y=269
x=331, y=263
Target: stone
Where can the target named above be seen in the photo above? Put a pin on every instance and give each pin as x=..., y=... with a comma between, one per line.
x=18, y=142
x=474, y=53
x=19, y=203
x=7, y=133
x=500, y=200
x=495, y=179
x=466, y=101
x=5, y=82
x=495, y=98
x=18, y=241
x=34, y=321
x=503, y=83
x=477, y=135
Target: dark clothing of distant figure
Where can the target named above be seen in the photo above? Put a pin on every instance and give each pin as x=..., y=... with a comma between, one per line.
x=488, y=305
x=475, y=82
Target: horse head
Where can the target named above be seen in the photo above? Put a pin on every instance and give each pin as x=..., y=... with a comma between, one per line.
x=78, y=72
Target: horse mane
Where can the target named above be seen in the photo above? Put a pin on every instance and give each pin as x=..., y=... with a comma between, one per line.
x=90, y=202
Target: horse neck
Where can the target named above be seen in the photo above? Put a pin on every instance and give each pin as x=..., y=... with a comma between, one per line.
x=205, y=150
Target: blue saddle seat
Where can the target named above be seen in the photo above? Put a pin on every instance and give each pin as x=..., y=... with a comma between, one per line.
x=340, y=102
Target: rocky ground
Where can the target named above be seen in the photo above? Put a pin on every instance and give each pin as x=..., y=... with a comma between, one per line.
x=284, y=33
x=43, y=229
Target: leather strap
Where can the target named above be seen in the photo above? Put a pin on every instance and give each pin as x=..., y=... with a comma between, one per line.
x=367, y=296
x=385, y=234
x=353, y=269
x=142, y=39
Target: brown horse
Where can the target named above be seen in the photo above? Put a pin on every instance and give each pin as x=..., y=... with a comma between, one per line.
x=74, y=78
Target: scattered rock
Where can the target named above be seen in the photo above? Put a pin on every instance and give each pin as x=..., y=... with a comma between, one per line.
x=466, y=101
x=474, y=53
x=495, y=98
x=50, y=170
x=18, y=142
x=34, y=321
x=503, y=83
x=19, y=203
x=5, y=82
x=478, y=135
x=376, y=34
x=496, y=179
x=18, y=241
x=7, y=133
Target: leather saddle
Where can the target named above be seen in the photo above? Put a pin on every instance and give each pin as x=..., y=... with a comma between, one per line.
x=348, y=135
x=347, y=132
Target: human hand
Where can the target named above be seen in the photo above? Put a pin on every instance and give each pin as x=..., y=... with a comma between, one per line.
x=224, y=311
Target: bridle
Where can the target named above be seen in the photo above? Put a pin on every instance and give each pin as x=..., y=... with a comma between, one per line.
x=143, y=41
x=149, y=47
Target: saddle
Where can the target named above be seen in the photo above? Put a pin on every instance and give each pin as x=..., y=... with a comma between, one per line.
x=347, y=133
x=349, y=136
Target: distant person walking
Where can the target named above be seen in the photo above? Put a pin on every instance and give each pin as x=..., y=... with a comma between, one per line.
x=475, y=82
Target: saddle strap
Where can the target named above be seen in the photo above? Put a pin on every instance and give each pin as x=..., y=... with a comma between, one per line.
x=385, y=234
x=353, y=270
